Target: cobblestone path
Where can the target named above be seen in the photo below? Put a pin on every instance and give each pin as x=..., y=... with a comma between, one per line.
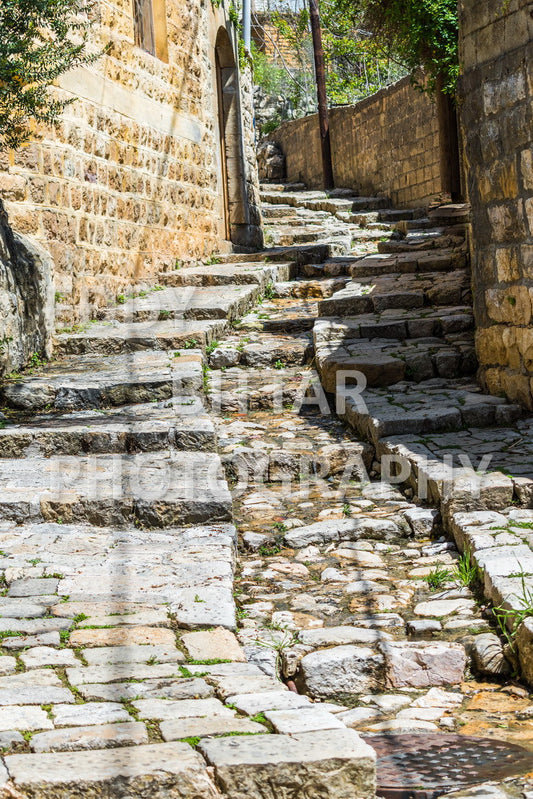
x=216, y=585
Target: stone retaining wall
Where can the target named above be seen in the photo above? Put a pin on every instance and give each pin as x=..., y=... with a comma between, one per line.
x=131, y=179
x=496, y=114
x=387, y=144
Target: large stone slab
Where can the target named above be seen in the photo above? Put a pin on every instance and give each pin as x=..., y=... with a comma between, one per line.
x=338, y=765
x=161, y=771
x=88, y=381
x=180, y=423
x=176, y=729
x=341, y=530
x=229, y=274
x=192, y=302
x=158, y=490
x=112, y=337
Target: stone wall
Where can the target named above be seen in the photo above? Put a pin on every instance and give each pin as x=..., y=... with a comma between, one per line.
x=386, y=144
x=132, y=178
x=26, y=299
x=496, y=93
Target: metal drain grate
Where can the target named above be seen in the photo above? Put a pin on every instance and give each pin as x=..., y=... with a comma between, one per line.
x=427, y=766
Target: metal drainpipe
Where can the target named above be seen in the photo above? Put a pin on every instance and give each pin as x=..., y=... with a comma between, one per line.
x=247, y=23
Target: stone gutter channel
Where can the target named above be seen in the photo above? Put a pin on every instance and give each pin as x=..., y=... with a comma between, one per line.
x=210, y=586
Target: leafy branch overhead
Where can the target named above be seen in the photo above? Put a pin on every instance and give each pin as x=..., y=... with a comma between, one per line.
x=40, y=40
x=419, y=33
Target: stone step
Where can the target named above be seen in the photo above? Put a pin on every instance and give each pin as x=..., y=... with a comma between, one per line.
x=202, y=302
x=89, y=381
x=312, y=254
x=437, y=460
x=434, y=406
x=180, y=423
x=430, y=239
x=229, y=274
x=283, y=187
x=377, y=293
x=304, y=289
x=121, y=337
x=284, y=236
x=384, y=362
x=123, y=579
x=392, y=215
x=154, y=489
x=394, y=324
x=444, y=260
x=269, y=350
x=164, y=769
x=320, y=201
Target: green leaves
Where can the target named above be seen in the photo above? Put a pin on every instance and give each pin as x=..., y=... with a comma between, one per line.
x=39, y=41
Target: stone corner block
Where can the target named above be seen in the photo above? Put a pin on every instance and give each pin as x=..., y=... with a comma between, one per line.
x=339, y=765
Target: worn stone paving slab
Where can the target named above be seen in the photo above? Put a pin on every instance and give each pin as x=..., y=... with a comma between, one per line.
x=112, y=337
x=337, y=764
x=88, y=381
x=157, y=489
x=178, y=423
x=171, y=770
x=193, y=302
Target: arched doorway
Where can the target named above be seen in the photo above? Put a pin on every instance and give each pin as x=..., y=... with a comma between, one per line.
x=230, y=132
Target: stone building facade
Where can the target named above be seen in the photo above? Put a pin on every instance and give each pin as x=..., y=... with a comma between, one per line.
x=496, y=105
x=151, y=162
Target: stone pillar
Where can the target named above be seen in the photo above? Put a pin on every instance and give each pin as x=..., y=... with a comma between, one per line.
x=496, y=97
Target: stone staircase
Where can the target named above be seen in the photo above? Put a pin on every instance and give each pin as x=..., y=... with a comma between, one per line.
x=120, y=462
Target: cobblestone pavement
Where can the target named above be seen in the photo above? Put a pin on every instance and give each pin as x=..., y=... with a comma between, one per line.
x=232, y=596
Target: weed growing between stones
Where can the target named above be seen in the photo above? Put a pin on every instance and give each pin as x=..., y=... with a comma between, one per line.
x=510, y=619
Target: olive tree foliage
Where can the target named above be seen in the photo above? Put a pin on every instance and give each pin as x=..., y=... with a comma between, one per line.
x=40, y=40
x=419, y=33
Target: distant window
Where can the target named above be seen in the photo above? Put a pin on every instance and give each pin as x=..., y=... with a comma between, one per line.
x=150, y=27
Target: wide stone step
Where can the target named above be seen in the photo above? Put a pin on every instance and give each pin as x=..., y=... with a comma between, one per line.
x=229, y=274
x=394, y=323
x=155, y=489
x=204, y=302
x=286, y=236
x=392, y=215
x=269, y=350
x=375, y=294
x=132, y=585
x=434, y=406
x=89, y=381
x=120, y=337
x=445, y=260
x=302, y=254
x=438, y=460
x=384, y=362
x=173, y=770
x=177, y=424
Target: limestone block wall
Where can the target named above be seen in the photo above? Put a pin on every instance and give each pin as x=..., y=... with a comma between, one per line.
x=132, y=178
x=496, y=95
x=386, y=144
